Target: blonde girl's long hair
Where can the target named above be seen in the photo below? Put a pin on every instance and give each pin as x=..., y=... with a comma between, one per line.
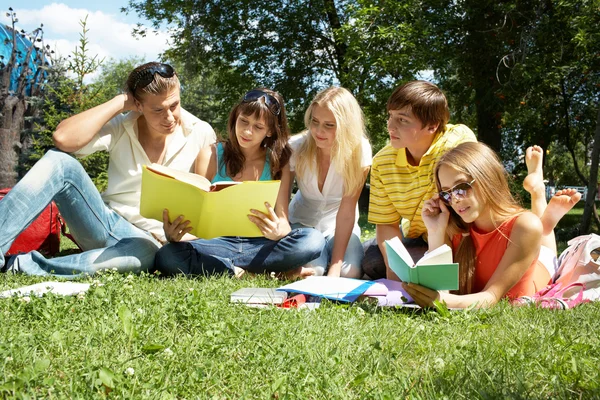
x=479, y=162
x=346, y=153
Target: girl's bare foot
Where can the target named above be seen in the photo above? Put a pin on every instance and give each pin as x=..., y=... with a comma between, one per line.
x=558, y=206
x=298, y=273
x=534, y=181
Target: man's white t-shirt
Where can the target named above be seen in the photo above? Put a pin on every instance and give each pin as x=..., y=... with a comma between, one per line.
x=119, y=137
x=313, y=208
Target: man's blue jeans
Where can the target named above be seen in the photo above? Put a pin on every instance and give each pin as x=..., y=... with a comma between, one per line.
x=219, y=255
x=108, y=240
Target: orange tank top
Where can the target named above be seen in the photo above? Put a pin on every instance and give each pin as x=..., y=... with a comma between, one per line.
x=490, y=248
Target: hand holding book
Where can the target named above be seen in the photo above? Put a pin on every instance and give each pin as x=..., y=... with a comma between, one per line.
x=175, y=231
x=271, y=226
x=435, y=270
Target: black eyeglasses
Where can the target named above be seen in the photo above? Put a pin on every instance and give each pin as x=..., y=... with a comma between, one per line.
x=458, y=191
x=146, y=75
x=270, y=101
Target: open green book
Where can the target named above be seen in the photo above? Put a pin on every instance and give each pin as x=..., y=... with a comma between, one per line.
x=435, y=270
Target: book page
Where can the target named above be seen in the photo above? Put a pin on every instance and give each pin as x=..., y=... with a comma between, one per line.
x=441, y=255
x=187, y=177
x=220, y=185
x=396, y=245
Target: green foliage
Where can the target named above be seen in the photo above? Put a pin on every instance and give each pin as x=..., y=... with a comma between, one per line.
x=202, y=95
x=143, y=337
x=296, y=48
x=81, y=63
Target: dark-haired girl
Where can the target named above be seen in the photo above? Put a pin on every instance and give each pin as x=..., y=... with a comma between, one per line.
x=256, y=149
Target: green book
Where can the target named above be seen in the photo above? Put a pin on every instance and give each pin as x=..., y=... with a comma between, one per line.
x=435, y=270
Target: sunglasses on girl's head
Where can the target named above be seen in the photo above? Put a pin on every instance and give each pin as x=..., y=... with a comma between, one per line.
x=146, y=75
x=270, y=101
x=459, y=191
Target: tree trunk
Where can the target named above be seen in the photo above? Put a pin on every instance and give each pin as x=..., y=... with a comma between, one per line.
x=590, y=209
x=13, y=111
x=341, y=67
x=14, y=103
x=488, y=119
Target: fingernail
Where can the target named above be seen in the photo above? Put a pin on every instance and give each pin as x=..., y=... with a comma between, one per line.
x=267, y=204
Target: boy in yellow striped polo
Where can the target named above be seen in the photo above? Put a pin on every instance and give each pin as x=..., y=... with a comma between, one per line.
x=402, y=172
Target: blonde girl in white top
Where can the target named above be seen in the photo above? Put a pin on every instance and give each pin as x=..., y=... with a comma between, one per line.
x=330, y=161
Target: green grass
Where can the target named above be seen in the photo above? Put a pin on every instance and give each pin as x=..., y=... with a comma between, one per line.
x=71, y=347
x=144, y=337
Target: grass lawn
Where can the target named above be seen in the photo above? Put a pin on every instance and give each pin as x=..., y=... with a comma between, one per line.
x=144, y=337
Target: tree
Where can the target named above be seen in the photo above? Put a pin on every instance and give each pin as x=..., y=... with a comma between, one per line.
x=555, y=74
x=20, y=82
x=590, y=201
x=296, y=47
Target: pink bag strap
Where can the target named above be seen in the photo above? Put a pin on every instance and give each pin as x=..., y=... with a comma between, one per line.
x=557, y=300
x=552, y=296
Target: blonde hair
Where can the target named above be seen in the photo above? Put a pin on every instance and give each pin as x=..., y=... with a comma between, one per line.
x=479, y=162
x=346, y=153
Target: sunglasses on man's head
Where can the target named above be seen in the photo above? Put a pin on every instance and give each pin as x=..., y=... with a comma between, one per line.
x=458, y=191
x=270, y=101
x=146, y=75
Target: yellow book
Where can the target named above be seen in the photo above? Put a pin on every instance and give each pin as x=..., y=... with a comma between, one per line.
x=219, y=209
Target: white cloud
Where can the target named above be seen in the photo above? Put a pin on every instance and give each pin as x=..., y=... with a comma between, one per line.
x=108, y=35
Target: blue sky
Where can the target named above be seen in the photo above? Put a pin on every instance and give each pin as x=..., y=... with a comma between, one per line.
x=109, y=29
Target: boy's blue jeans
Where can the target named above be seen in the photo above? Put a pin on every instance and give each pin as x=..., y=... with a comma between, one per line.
x=219, y=255
x=109, y=241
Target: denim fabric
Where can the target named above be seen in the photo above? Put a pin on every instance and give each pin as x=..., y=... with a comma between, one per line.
x=351, y=266
x=373, y=264
x=108, y=240
x=257, y=255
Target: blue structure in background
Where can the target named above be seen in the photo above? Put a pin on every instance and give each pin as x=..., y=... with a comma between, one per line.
x=23, y=44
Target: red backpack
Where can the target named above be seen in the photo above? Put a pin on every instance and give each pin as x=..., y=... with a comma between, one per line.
x=42, y=235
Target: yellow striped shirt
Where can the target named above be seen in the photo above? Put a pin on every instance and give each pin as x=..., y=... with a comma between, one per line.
x=399, y=189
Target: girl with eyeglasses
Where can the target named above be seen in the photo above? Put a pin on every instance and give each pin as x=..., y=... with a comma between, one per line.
x=331, y=160
x=257, y=149
x=502, y=249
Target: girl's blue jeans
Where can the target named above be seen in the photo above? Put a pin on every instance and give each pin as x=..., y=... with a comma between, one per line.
x=219, y=255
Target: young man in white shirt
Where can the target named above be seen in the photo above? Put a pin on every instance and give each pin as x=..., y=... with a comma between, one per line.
x=108, y=227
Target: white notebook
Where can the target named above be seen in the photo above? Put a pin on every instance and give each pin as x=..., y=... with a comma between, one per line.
x=258, y=296
x=62, y=288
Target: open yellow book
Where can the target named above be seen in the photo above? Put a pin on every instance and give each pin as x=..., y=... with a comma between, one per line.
x=219, y=209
